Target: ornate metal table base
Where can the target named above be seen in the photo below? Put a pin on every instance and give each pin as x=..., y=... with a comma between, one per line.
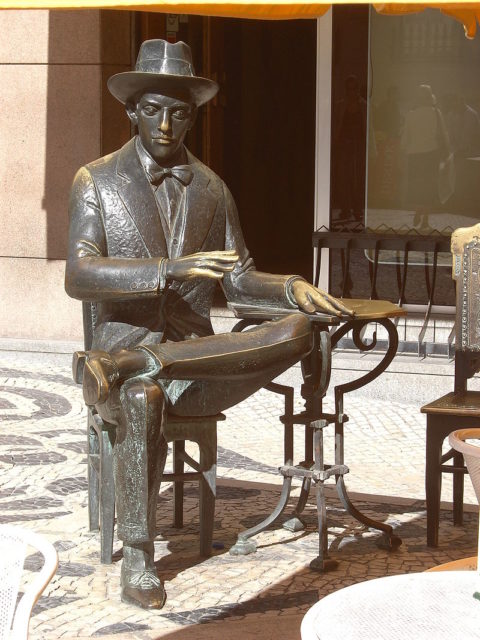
x=316, y=371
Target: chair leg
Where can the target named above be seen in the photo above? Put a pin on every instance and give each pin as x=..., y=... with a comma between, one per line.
x=93, y=479
x=208, y=491
x=178, y=468
x=433, y=479
x=107, y=500
x=458, y=479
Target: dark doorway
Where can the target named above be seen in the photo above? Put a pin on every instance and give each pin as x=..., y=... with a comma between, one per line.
x=258, y=134
x=269, y=160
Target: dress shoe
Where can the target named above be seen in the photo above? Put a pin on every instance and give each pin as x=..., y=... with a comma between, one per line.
x=142, y=589
x=100, y=372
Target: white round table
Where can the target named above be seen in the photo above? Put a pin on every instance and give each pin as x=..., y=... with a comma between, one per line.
x=416, y=606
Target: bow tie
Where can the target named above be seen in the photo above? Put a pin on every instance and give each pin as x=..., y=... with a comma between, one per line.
x=182, y=173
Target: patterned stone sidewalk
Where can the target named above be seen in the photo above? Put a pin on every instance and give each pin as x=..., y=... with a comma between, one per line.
x=43, y=487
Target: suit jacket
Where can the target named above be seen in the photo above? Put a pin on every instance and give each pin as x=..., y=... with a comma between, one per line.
x=116, y=238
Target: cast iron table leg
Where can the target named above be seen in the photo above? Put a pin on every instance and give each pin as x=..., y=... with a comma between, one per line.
x=316, y=373
x=322, y=563
x=316, y=370
x=357, y=326
x=244, y=544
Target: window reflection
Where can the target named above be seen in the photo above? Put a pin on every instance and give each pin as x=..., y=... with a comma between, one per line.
x=425, y=125
x=417, y=75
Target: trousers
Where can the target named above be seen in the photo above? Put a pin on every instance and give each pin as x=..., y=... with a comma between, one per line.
x=197, y=377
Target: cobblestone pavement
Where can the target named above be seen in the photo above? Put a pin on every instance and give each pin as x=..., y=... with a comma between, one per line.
x=44, y=487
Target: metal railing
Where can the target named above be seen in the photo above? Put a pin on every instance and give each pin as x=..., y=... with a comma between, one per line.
x=404, y=245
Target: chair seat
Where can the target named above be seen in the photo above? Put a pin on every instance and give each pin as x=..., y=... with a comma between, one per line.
x=465, y=403
x=176, y=429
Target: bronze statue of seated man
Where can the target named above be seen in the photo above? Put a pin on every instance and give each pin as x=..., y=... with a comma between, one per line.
x=152, y=230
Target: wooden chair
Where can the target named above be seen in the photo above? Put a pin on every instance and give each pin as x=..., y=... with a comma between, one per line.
x=101, y=485
x=460, y=408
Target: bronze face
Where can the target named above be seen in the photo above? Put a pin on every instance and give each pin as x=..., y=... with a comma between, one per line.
x=162, y=124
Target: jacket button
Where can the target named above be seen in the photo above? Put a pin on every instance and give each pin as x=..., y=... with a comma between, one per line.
x=175, y=241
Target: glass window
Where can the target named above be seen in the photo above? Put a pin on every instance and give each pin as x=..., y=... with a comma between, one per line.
x=406, y=154
x=424, y=124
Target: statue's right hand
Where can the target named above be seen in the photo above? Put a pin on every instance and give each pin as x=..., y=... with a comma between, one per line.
x=205, y=264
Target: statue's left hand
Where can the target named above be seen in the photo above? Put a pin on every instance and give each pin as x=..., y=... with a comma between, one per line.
x=311, y=299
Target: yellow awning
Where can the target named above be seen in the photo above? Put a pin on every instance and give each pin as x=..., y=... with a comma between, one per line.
x=468, y=13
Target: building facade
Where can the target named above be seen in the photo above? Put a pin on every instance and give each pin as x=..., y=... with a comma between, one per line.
x=307, y=131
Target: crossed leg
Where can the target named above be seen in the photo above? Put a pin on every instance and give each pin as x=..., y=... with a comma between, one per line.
x=197, y=377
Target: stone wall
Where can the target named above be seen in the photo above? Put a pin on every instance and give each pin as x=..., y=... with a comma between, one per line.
x=55, y=115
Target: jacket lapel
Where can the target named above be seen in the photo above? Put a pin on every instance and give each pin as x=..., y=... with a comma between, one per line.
x=139, y=200
x=193, y=224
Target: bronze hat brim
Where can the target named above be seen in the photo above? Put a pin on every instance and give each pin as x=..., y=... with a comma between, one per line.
x=124, y=86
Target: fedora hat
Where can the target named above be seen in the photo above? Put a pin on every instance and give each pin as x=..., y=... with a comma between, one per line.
x=164, y=67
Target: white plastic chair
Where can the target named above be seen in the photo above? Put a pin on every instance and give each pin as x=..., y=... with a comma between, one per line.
x=471, y=453
x=14, y=541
